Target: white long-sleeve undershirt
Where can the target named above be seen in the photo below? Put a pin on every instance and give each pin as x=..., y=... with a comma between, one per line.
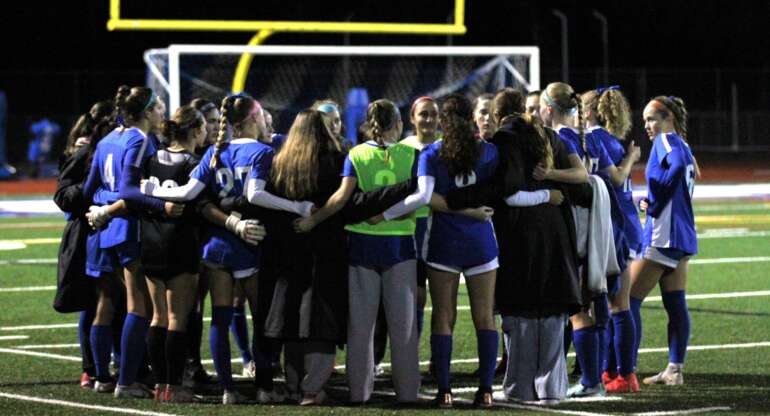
x=528, y=198
x=420, y=198
x=256, y=194
x=186, y=192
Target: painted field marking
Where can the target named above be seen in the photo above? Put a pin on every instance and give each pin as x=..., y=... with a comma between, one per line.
x=27, y=289
x=731, y=233
x=732, y=219
x=41, y=354
x=25, y=225
x=33, y=327
x=64, y=403
x=686, y=411
x=46, y=346
x=731, y=260
x=731, y=207
x=28, y=261
x=32, y=241
x=13, y=337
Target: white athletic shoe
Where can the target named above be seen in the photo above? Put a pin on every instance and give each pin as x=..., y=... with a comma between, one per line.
x=249, y=370
x=579, y=390
x=272, y=396
x=133, y=391
x=378, y=370
x=233, y=397
x=671, y=376
x=106, y=387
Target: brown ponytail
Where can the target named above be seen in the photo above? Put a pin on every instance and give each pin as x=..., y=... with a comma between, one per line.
x=460, y=149
x=221, y=142
x=381, y=116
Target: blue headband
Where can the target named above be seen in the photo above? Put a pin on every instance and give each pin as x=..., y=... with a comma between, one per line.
x=601, y=90
x=327, y=108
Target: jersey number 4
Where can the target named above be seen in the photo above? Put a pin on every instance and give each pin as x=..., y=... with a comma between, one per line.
x=108, y=176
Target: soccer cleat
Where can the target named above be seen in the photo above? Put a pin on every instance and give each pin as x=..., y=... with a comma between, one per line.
x=233, y=397
x=86, y=382
x=104, y=387
x=378, y=371
x=671, y=376
x=443, y=399
x=483, y=398
x=316, y=399
x=132, y=391
x=195, y=376
x=269, y=396
x=608, y=376
x=579, y=390
x=159, y=393
x=627, y=384
x=249, y=370
x=179, y=394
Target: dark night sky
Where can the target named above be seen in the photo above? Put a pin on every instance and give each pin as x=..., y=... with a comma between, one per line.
x=58, y=57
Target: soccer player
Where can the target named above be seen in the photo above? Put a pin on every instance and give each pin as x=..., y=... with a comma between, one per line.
x=229, y=168
x=482, y=116
x=115, y=173
x=532, y=104
x=457, y=244
x=608, y=119
x=669, y=237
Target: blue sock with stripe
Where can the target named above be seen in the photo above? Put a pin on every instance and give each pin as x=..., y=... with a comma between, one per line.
x=586, y=342
x=609, y=364
x=219, y=341
x=441, y=355
x=636, y=315
x=101, y=346
x=678, y=325
x=132, y=346
x=624, y=341
x=240, y=331
x=486, y=343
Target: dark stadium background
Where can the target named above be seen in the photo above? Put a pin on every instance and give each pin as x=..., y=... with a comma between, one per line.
x=58, y=57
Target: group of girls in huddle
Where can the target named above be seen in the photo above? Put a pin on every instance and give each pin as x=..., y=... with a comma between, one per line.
x=507, y=192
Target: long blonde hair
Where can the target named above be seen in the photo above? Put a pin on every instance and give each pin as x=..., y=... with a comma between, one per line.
x=611, y=108
x=295, y=168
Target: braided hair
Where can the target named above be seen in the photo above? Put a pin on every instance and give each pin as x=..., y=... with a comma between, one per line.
x=677, y=109
x=234, y=110
x=381, y=116
x=564, y=100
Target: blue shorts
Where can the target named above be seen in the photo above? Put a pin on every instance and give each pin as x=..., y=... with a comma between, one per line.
x=109, y=260
x=669, y=257
x=224, y=250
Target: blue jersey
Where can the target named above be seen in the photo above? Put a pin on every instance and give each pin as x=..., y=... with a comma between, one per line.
x=240, y=161
x=670, y=177
x=115, y=172
x=616, y=152
x=454, y=239
x=600, y=160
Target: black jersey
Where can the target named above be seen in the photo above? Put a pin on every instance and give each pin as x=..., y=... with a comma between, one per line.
x=170, y=246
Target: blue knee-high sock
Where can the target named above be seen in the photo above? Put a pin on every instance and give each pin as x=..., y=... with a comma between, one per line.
x=602, y=347
x=609, y=364
x=486, y=343
x=678, y=325
x=219, y=341
x=84, y=336
x=132, y=346
x=101, y=346
x=441, y=355
x=586, y=342
x=636, y=315
x=624, y=341
x=240, y=332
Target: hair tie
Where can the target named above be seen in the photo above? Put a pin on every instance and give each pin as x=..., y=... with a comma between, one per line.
x=208, y=107
x=601, y=90
x=120, y=121
x=550, y=101
x=327, y=108
x=419, y=100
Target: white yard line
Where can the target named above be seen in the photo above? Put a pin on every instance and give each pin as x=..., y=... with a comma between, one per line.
x=28, y=261
x=716, y=295
x=41, y=354
x=33, y=327
x=25, y=225
x=124, y=410
x=730, y=260
x=46, y=346
x=13, y=337
x=686, y=411
x=27, y=289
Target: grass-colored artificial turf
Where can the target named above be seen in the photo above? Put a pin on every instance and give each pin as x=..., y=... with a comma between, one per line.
x=720, y=376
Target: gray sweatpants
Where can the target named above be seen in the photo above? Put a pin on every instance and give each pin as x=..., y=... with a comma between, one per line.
x=537, y=369
x=396, y=286
x=308, y=365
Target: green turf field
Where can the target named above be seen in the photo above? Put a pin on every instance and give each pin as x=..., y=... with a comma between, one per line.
x=727, y=370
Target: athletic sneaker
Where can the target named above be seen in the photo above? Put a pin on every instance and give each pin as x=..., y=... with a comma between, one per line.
x=249, y=370
x=233, y=397
x=179, y=394
x=483, y=398
x=269, y=396
x=86, y=382
x=159, y=393
x=132, y=391
x=579, y=390
x=379, y=370
x=443, y=399
x=316, y=399
x=620, y=384
x=608, y=376
x=104, y=386
x=195, y=376
x=671, y=376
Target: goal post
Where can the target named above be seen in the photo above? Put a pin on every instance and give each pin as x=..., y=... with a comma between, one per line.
x=287, y=78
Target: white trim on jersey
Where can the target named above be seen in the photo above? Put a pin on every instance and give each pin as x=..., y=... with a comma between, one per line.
x=666, y=144
x=467, y=272
x=661, y=228
x=243, y=140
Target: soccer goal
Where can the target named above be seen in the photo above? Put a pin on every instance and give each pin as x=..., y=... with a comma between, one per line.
x=286, y=79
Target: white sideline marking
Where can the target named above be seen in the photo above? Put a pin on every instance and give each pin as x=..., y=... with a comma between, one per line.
x=25, y=327
x=41, y=354
x=46, y=346
x=13, y=337
x=32, y=225
x=730, y=260
x=82, y=405
x=686, y=411
x=718, y=295
x=27, y=289
x=28, y=261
